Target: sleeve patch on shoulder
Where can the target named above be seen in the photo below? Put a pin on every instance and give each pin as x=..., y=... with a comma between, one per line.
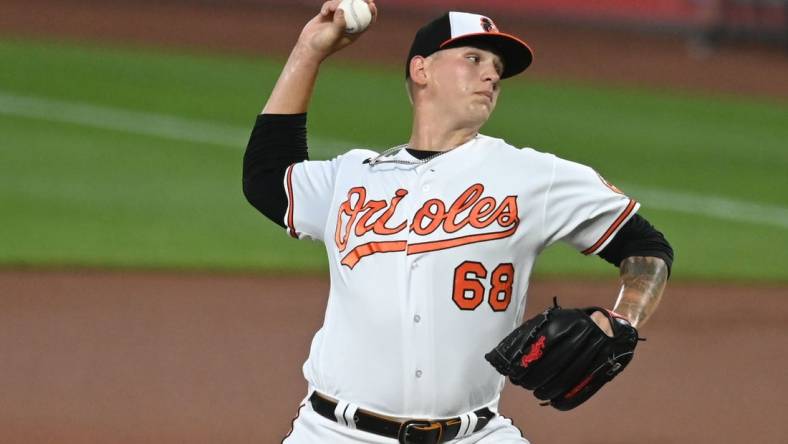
x=612, y=187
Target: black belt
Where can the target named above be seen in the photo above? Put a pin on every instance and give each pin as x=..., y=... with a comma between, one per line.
x=413, y=431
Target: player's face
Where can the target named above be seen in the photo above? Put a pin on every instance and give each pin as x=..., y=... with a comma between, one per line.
x=466, y=82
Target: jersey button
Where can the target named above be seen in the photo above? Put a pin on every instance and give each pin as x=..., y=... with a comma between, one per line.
x=416, y=318
x=418, y=373
x=414, y=265
x=425, y=188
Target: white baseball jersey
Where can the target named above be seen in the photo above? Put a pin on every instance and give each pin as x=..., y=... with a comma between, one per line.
x=430, y=265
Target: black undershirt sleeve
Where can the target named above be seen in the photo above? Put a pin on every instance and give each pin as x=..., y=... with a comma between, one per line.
x=637, y=238
x=277, y=141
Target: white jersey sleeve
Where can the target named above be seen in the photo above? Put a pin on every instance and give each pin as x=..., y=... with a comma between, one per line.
x=583, y=209
x=309, y=186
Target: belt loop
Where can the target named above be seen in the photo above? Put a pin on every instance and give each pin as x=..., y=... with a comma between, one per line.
x=350, y=416
x=464, y=422
x=472, y=421
x=468, y=424
x=339, y=412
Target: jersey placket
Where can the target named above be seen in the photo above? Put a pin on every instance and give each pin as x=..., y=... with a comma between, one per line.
x=418, y=310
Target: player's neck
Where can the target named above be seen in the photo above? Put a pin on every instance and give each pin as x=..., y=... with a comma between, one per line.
x=432, y=136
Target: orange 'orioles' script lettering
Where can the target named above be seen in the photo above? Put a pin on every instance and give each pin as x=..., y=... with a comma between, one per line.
x=358, y=216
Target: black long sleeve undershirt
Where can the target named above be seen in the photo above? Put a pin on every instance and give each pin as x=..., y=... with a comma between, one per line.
x=637, y=238
x=279, y=140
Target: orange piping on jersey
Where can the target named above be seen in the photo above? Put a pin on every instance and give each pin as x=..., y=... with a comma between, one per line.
x=290, y=225
x=621, y=218
x=355, y=255
x=424, y=247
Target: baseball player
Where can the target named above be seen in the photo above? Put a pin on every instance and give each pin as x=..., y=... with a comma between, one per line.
x=431, y=243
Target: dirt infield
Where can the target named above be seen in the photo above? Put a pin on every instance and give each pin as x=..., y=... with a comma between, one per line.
x=123, y=357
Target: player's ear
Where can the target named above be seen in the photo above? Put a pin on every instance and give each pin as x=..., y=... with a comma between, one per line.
x=417, y=69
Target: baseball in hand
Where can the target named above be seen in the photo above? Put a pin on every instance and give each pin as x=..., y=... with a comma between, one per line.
x=357, y=15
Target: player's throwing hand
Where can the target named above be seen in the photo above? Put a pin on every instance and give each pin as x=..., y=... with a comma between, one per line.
x=325, y=33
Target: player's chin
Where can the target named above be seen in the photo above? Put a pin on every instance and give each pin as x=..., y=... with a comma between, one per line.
x=481, y=111
x=483, y=103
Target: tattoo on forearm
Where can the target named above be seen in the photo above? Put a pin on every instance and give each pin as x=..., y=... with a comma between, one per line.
x=643, y=281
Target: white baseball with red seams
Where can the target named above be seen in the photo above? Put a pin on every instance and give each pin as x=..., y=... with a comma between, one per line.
x=430, y=264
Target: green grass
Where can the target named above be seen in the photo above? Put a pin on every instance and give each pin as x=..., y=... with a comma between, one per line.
x=74, y=194
x=96, y=198
x=706, y=145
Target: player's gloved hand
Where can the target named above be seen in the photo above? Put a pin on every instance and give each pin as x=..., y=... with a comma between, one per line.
x=563, y=355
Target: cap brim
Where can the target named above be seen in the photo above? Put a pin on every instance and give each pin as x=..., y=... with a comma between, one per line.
x=516, y=54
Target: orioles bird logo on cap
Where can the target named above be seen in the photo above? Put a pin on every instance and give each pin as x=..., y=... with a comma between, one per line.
x=488, y=25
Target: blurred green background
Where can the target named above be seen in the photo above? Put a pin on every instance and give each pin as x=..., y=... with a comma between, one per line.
x=119, y=157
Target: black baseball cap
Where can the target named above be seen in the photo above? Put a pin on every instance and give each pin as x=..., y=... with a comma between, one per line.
x=454, y=29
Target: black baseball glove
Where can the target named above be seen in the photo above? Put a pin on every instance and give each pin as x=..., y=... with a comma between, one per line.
x=563, y=355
